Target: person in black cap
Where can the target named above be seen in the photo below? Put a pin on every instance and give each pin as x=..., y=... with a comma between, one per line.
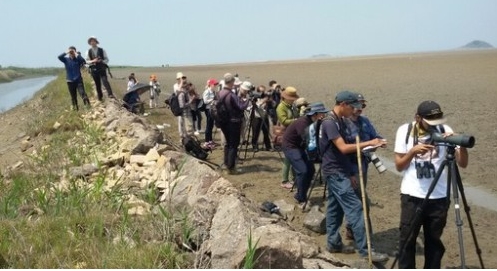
x=412, y=150
x=338, y=173
x=294, y=149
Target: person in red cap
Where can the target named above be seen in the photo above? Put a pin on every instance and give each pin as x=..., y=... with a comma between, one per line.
x=208, y=96
x=413, y=152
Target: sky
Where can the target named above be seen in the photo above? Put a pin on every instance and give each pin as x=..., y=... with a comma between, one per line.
x=196, y=32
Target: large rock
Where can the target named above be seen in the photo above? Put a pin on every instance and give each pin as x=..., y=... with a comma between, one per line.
x=276, y=247
x=229, y=229
x=200, y=217
x=315, y=220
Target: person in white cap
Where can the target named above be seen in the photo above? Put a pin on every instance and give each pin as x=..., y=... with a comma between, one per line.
x=97, y=58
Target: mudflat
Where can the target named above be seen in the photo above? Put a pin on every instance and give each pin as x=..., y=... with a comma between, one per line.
x=463, y=82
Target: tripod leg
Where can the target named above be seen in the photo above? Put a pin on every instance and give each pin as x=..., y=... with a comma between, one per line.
x=455, y=195
x=314, y=180
x=467, y=209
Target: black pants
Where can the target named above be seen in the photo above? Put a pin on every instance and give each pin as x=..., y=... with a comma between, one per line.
x=433, y=220
x=231, y=132
x=99, y=78
x=259, y=124
x=209, y=126
x=77, y=86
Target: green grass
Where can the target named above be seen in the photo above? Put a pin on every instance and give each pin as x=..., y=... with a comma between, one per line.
x=10, y=73
x=44, y=224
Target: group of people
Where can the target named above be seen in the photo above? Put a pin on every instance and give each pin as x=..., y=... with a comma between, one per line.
x=96, y=61
x=260, y=109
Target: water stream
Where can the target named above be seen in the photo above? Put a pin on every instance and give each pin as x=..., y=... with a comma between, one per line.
x=18, y=91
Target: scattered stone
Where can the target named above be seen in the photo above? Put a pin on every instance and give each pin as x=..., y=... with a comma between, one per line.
x=149, y=164
x=111, y=134
x=25, y=145
x=21, y=135
x=152, y=155
x=17, y=165
x=138, y=211
x=56, y=125
x=137, y=159
x=285, y=208
x=315, y=220
x=83, y=171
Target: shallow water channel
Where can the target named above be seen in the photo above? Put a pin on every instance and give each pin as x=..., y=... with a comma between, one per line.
x=18, y=91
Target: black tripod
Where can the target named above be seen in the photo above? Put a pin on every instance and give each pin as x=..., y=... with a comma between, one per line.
x=248, y=129
x=317, y=178
x=454, y=182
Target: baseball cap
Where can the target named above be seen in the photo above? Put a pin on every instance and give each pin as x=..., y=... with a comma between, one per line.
x=228, y=78
x=212, y=82
x=348, y=97
x=431, y=113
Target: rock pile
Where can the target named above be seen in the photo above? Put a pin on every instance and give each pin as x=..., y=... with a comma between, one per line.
x=140, y=157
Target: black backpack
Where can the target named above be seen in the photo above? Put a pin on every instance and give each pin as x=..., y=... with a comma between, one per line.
x=173, y=102
x=192, y=146
x=219, y=111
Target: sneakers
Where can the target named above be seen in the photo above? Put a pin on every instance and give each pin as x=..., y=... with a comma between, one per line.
x=209, y=145
x=376, y=257
x=287, y=185
x=343, y=249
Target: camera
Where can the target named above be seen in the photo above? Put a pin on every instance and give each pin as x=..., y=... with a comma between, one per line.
x=466, y=141
x=373, y=158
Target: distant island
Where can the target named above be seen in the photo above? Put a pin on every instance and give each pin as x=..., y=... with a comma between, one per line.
x=477, y=44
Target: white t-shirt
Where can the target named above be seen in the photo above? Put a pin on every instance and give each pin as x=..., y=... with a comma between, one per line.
x=411, y=185
x=176, y=88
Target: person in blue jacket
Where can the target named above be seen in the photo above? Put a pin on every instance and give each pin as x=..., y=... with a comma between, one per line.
x=73, y=61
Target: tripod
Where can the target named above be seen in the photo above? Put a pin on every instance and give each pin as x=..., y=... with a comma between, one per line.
x=248, y=128
x=317, y=177
x=454, y=182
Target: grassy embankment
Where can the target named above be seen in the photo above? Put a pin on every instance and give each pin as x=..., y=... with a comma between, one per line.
x=10, y=73
x=45, y=225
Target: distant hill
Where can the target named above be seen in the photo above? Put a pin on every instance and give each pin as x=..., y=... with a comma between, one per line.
x=477, y=44
x=320, y=56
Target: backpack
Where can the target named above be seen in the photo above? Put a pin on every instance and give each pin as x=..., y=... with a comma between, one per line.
x=219, y=111
x=173, y=102
x=192, y=147
x=311, y=141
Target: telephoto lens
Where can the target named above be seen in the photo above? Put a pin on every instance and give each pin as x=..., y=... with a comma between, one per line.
x=377, y=163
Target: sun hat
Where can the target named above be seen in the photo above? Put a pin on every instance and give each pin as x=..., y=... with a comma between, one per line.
x=246, y=85
x=317, y=107
x=431, y=113
x=290, y=93
x=93, y=38
x=301, y=101
x=348, y=97
x=179, y=75
x=237, y=81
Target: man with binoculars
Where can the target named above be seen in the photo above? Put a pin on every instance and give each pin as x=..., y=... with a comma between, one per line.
x=420, y=149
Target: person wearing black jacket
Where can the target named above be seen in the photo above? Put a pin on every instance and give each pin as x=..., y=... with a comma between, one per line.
x=236, y=105
x=97, y=58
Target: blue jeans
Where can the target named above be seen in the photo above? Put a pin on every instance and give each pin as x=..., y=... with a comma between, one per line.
x=342, y=200
x=303, y=169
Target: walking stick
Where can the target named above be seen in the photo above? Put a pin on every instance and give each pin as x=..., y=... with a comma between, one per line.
x=364, y=203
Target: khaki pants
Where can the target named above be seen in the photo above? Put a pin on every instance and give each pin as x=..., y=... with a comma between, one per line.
x=186, y=124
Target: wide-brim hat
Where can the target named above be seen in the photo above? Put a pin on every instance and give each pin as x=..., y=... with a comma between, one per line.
x=93, y=38
x=317, y=107
x=290, y=93
x=431, y=112
x=301, y=102
x=179, y=75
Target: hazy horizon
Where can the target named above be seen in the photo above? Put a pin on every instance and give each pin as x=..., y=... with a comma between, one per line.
x=177, y=33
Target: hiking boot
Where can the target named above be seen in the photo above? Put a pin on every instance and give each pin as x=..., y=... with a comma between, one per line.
x=343, y=249
x=255, y=148
x=349, y=234
x=287, y=185
x=376, y=257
